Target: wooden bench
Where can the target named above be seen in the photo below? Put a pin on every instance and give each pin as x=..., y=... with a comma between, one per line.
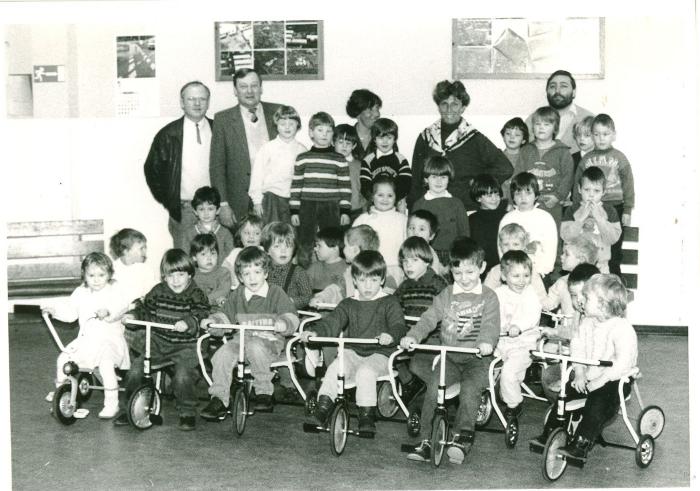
x=43, y=258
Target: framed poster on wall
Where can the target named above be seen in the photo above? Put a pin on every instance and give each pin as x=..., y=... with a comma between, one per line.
x=278, y=50
x=527, y=48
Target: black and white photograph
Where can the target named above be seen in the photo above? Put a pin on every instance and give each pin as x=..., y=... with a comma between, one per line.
x=136, y=56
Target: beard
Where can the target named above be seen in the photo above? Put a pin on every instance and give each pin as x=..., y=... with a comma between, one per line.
x=558, y=101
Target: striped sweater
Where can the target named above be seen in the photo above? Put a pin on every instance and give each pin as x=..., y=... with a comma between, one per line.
x=321, y=174
x=394, y=165
x=416, y=296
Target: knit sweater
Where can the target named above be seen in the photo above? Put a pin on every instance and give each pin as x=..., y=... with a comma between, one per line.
x=452, y=219
x=365, y=319
x=273, y=169
x=321, y=174
x=215, y=284
x=483, y=228
x=619, y=181
x=224, y=239
x=390, y=226
x=322, y=274
x=299, y=290
x=554, y=169
x=416, y=296
x=165, y=306
x=468, y=319
x=392, y=164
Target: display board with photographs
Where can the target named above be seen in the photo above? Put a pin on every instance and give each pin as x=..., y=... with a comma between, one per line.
x=278, y=50
x=527, y=48
x=136, y=56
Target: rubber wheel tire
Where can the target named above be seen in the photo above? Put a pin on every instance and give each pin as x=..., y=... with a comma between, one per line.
x=548, y=412
x=512, y=431
x=239, y=410
x=438, y=439
x=651, y=422
x=387, y=407
x=338, y=429
x=553, y=465
x=84, y=391
x=485, y=410
x=61, y=406
x=310, y=404
x=644, y=453
x=413, y=424
x=143, y=402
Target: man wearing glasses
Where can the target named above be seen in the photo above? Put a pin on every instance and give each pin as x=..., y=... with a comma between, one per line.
x=178, y=161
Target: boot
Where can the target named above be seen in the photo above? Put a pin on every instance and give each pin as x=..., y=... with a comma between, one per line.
x=324, y=406
x=366, y=417
x=578, y=449
x=111, y=404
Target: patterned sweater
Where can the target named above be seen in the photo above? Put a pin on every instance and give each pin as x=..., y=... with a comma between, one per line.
x=619, y=181
x=416, y=296
x=393, y=164
x=299, y=290
x=163, y=305
x=554, y=169
x=321, y=174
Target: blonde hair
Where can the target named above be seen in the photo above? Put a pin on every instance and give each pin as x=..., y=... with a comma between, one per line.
x=611, y=292
x=513, y=230
x=584, y=248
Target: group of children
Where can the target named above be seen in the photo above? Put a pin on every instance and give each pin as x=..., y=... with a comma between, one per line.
x=486, y=291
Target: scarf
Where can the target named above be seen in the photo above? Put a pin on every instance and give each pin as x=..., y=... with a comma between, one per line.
x=456, y=139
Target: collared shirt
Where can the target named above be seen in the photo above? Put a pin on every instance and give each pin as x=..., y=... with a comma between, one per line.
x=430, y=195
x=256, y=133
x=457, y=289
x=380, y=294
x=378, y=153
x=262, y=292
x=195, y=157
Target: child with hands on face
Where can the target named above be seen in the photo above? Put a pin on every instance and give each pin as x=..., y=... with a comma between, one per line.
x=212, y=279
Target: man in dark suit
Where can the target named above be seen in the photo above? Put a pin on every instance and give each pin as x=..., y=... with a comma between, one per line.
x=178, y=161
x=239, y=132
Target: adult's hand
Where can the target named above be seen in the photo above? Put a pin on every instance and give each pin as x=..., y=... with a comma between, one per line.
x=226, y=216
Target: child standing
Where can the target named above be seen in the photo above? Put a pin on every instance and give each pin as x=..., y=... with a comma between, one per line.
x=370, y=313
x=619, y=180
x=549, y=160
x=345, y=142
x=515, y=134
x=389, y=224
x=469, y=316
x=271, y=175
x=248, y=233
x=98, y=305
x=329, y=267
x=539, y=225
x=483, y=223
x=583, y=134
x=576, y=251
x=211, y=278
x=206, y=204
x=254, y=302
x=176, y=300
x=593, y=218
x=321, y=191
x=520, y=316
x=438, y=171
x=386, y=159
x=278, y=241
x=423, y=224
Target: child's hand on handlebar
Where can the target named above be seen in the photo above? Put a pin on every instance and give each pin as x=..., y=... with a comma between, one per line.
x=49, y=310
x=514, y=331
x=579, y=382
x=407, y=341
x=385, y=339
x=306, y=335
x=180, y=326
x=485, y=349
x=128, y=317
x=280, y=326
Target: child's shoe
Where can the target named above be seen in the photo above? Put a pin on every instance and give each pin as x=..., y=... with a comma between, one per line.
x=412, y=389
x=49, y=397
x=187, y=423
x=513, y=412
x=215, y=410
x=111, y=405
x=421, y=453
x=460, y=446
x=578, y=449
x=366, y=417
x=121, y=420
x=324, y=406
x=264, y=402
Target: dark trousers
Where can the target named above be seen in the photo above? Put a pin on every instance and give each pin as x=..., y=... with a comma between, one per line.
x=275, y=208
x=314, y=215
x=616, y=249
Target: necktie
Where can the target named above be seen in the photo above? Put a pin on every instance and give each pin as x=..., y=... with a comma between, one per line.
x=253, y=115
x=199, y=138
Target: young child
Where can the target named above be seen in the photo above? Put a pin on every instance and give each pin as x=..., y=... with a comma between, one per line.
x=416, y=294
x=98, y=305
x=278, y=240
x=577, y=251
x=438, y=171
x=513, y=237
x=604, y=334
x=129, y=249
x=540, y=226
x=329, y=267
x=386, y=159
x=389, y=224
x=272, y=172
x=254, y=302
x=549, y=160
x=619, y=181
x=593, y=218
x=423, y=224
x=345, y=142
x=248, y=233
x=483, y=223
x=583, y=134
x=176, y=300
x=470, y=318
x=520, y=316
x=211, y=278
x=369, y=313
x=206, y=203
x=321, y=191
x=515, y=134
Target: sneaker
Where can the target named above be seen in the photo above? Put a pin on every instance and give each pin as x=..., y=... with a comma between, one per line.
x=108, y=412
x=460, y=446
x=49, y=397
x=121, y=420
x=263, y=402
x=513, y=412
x=421, y=453
x=214, y=411
x=187, y=423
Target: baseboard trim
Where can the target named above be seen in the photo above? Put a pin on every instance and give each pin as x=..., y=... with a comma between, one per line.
x=662, y=330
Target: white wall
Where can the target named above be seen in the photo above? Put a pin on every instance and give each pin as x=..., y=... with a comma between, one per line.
x=90, y=166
